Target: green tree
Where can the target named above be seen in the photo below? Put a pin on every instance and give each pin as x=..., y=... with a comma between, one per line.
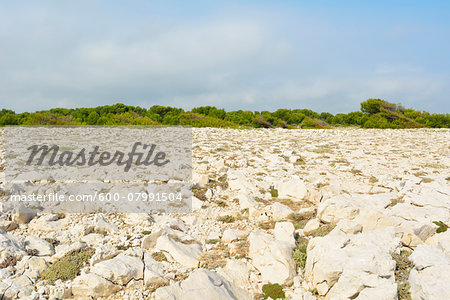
x=92, y=118
x=371, y=106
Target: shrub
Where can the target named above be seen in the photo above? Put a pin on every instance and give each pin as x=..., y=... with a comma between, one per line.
x=273, y=192
x=67, y=267
x=213, y=241
x=314, y=123
x=373, y=179
x=375, y=113
x=8, y=261
x=299, y=220
x=226, y=219
x=214, y=258
x=267, y=225
x=371, y=106
x=197, y=120
x=442, y=226
x=241, y=249
x=261, y=122
x=159, y=256
x=199, y=193
x=323, y=230
x=402, y=269
x=274, y=291
x=299, y=256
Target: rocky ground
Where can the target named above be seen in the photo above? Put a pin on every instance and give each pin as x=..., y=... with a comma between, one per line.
x=300, y=214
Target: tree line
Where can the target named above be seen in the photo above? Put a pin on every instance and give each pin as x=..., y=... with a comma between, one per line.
x=374, y=113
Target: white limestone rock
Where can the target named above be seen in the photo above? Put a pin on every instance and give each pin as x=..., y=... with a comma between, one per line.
x=229, y=235
x=153, y=271
x=343, y=266
x=185, y=254
x=280, y=211
x=349, y=227
x=311, y=225
x=20, y=287
x=11, y=245
x=201, y=179
x=92, y=285
x=103, y=252
x=48, y=223
x=101, y=225
x=42, y=246
x=23, y=215
x=196, y=203
x=429, y=277
x=272, y=258
x=349, y=206
x=441, y=241
x=202, y=284
x=120, y=269
x=284, y=232
x=236, y=271
x=246, y=202
x=294, y=189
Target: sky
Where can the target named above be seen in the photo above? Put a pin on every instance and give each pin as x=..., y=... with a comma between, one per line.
x=250, y=55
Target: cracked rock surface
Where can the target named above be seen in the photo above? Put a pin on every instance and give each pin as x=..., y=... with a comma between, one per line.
x=319, y=212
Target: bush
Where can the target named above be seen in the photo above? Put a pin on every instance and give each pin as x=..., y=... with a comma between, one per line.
x=299, y=256
x=159, y=256
x=261, y=122
x=274, y=291
x=197, y=120
x=442, y=226
x=403, y=267
x=67, y=267
x=375, y=113
x=314, y=123
x=273, y=192
x=371, y=106
x=226, y=219
x=323, y=230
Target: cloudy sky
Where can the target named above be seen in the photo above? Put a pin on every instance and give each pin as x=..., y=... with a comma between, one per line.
x=256, y=55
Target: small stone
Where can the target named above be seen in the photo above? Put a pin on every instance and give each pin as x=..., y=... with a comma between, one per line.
x=311, y=225
x=24, y=215
x=92, y=285
x=284, y=232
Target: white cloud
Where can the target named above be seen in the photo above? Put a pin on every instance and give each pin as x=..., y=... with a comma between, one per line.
x=50, y=58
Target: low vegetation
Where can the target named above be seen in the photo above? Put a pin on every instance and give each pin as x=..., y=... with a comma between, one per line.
x=374, y=113
x=402, y=270
x=226, y=219
x=294, y=205
x=266, y=225
x=273, y=192
x=322, y=230
x=214, y=258
x=373, y=179
x=67, y=267
x=213, y=241
x=159, y=256
x=241, y=250
x=299, y=254
x=274, y=291
x=8, y=261
x=442, y=227
x=299, y=221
